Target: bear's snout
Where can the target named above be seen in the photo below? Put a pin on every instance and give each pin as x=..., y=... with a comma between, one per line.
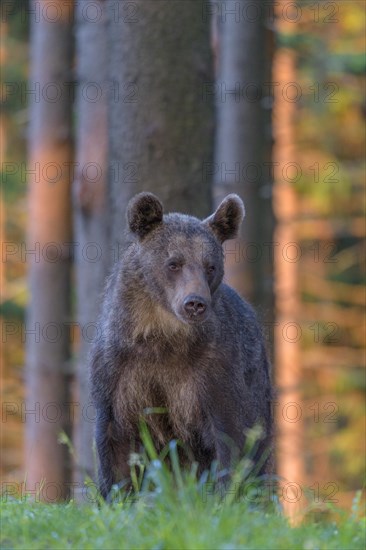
x=195, y=306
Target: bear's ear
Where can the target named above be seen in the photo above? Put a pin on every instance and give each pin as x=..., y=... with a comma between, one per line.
x=226, y=221
x=144, y=212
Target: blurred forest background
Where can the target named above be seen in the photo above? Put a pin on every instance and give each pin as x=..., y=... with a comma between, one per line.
x=101, y=100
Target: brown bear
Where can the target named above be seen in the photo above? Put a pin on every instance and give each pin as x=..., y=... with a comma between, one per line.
x=174, y=337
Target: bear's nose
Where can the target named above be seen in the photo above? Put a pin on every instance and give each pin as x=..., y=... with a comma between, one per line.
x=194, y=305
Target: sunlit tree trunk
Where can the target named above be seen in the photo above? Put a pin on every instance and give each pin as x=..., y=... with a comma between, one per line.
x=161, y=124
x=290, y=436
x=48, y=244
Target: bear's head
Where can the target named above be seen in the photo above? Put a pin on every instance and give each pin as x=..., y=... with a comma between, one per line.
x=180, y=257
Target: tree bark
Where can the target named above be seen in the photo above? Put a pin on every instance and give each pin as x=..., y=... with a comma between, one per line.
x=290, y=428
x=161, y=124
x=49, y=231
x=243, y=145
x=91, y=216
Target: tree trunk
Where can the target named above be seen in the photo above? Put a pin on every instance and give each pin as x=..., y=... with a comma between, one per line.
x=243, y=145
x=90, y=206
x=47, y=340
x=161, y=124
x=290, y=428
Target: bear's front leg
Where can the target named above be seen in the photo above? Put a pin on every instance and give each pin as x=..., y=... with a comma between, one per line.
x=228, y=437
x=113, y=453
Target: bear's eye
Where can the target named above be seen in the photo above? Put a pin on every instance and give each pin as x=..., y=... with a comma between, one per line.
x=210, y=269
x=173, y=266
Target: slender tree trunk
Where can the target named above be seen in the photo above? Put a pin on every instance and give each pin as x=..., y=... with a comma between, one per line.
x=47, y=338
x=290, y=428
x=290, y=435
x=90, y=205
x=161, y=123
x=243, y=144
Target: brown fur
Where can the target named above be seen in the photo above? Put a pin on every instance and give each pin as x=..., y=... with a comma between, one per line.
x=174, y=337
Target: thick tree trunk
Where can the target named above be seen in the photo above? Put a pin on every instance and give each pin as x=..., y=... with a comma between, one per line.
x=47, y=339
x=161, y=124
x=90, y=206
x=243, y=144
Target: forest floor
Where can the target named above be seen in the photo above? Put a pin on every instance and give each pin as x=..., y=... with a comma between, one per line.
x=173, y=518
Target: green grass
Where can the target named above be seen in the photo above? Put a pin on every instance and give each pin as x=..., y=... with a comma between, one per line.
x=172, y=517
x=167, y=523
x=174, y=510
